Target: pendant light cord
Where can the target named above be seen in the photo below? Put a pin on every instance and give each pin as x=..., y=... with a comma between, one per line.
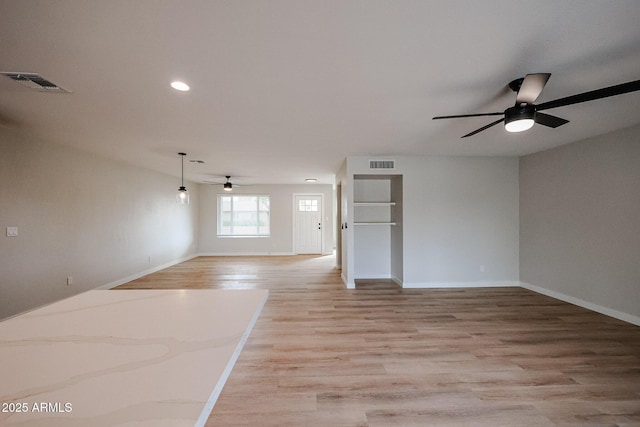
x=182, y=175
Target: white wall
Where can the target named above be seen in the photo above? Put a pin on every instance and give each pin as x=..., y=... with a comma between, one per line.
x=580, y=223
x=280, y=242
x=83, y=216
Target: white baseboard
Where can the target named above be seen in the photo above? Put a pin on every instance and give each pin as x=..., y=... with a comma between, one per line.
x=635, y=320
x=373, y=276
x=348, y=285
x=257, y=254
x=246, y=254
x=145, y=272
x=478, y=284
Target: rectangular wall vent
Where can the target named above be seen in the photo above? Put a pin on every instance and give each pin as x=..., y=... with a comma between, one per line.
x=382, y=164
x=35, y=81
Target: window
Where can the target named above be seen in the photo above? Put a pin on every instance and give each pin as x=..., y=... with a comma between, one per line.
x=243, y=215
x=307, y=205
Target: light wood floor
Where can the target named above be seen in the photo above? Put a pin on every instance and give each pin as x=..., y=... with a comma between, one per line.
x=322, y=355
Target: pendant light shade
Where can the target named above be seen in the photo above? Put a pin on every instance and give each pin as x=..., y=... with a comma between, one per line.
x=182, y=196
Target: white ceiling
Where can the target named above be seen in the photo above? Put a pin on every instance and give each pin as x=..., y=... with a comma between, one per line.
x=283, y=90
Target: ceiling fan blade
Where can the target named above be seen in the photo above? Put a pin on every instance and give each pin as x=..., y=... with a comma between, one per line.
x=549, y=120
x=225, y=182
x=531, y=87
x=483, y=128
x=591, y=95
x=468, y=115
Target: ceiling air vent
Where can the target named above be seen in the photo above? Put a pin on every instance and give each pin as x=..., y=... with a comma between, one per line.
x=35, y=81
x=382, y=164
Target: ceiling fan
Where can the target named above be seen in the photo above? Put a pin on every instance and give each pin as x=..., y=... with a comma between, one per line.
x=228, y=185
x=525, y=113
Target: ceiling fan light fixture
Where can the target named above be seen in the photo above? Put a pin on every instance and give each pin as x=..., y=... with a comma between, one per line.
x=227, y=186
x=519, y=119
x=519, y=125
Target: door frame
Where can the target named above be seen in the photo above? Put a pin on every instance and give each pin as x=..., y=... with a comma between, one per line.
x=294, y=227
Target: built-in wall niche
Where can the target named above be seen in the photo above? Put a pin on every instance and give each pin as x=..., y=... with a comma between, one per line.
x=377, y=217
x=372, y=200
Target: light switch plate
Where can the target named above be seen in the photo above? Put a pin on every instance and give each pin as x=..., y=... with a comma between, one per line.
x=12, y=231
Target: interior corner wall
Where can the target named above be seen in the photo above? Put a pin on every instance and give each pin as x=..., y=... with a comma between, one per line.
x=280, y=242
x=580, y=223
x=84, y=216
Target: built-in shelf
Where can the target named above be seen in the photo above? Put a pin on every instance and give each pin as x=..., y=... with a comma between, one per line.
x=374, y=223
x=374, y=203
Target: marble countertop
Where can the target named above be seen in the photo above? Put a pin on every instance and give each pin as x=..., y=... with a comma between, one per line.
x=130, y=357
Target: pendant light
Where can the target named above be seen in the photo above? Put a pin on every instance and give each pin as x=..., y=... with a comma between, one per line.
x=182, y=197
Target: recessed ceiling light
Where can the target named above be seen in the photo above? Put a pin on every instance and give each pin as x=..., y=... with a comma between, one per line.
x=311, y=180
x=181, y=86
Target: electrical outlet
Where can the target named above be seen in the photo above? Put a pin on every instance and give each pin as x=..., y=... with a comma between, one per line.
x=12, y=231
x=69, y=281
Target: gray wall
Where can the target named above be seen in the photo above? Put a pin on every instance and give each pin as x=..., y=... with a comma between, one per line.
x=461, y=221
x=83, y=216
x=580, y=222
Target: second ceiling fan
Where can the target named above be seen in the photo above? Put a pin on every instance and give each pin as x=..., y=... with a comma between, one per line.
x=228, y=185
x=525, y=113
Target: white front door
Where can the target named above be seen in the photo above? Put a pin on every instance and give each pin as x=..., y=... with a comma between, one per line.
x=308, y=224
